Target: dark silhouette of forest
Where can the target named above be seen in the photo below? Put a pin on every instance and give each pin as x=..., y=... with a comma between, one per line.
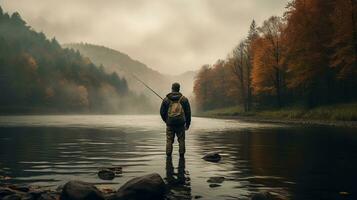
x=308, y=58
x=38, y=75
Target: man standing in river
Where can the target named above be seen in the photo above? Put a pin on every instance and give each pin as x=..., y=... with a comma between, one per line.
x=175, y=111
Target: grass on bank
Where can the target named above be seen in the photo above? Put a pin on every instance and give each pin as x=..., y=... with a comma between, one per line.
x=337, y=112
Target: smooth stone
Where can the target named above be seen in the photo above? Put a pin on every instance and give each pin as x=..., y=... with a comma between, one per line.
x=78, y=190
x=219, y=179
x=213, y=185
x=262, y=196
x=212, y=157
x=106, y=174
x=150, y=187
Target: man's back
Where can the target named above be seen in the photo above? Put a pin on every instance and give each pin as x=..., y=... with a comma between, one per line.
x=172, y=106
x=169, y=99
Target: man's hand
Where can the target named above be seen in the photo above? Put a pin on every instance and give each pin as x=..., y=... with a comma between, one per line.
x=187, y=127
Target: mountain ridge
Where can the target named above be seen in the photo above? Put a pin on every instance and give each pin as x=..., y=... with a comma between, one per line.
x=116, y=61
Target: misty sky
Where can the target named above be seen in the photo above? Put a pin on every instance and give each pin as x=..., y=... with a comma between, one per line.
x=171, y=36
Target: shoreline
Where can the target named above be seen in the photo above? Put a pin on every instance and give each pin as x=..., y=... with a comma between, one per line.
x=310, y=122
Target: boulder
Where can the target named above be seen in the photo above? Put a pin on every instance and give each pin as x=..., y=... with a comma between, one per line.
x=213, y=185
x=212, y=157
x=218, y=179
x=78, y=190
x=148, y=187
x=106, y=174
x=262, y=196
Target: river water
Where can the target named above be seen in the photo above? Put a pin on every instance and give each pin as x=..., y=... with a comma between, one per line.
x=292, y=162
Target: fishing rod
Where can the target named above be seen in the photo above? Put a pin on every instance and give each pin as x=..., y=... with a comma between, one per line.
x=148, y=87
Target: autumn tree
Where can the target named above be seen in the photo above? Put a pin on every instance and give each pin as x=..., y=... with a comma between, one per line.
x=201, y=87
x=344, y=44
x=307, y=36
x=268, y=68
x=238, y=63
x=252, y=36
x=307, y=56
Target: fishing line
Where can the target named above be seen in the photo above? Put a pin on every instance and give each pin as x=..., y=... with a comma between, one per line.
x=142, y=82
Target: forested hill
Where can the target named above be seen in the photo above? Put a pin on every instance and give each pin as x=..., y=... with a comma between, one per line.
x=38, y=75
x=116, y=61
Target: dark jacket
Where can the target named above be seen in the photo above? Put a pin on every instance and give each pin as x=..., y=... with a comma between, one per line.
x=174, y=96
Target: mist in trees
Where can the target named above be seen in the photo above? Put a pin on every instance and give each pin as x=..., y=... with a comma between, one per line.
x=308, y=57
x=37, y=75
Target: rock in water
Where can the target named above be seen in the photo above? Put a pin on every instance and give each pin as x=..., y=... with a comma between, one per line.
x=148, y=187
x=262, y=196
x=106, y=174
x=218, y=179
x=212, y=157
x=213, y=185
x=78, y=190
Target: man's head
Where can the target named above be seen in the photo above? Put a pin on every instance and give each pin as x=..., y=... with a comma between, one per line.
x=175, y=87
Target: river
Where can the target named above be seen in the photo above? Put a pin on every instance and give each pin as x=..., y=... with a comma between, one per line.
x=291, y=161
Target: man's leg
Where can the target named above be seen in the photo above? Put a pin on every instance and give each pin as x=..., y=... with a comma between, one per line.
x=180, y=132
x=170, y=136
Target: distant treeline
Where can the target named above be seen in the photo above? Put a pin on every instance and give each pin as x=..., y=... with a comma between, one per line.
x=307, y=57
x=37, y=75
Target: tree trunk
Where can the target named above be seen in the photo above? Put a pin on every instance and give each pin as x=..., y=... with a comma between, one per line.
x=249, y=91
x=278, y=87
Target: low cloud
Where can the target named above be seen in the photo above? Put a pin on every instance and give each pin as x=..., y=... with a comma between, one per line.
x=171, y=36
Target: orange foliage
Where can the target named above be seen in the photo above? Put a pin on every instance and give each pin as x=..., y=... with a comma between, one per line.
x=308, y=56
x=344, y=40
x=263, y=68
x=307, y=34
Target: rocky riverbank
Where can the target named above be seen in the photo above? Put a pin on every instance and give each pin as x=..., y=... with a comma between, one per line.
x=148, y=187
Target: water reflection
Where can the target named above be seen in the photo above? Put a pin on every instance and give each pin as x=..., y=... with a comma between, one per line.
x=293, y=162
x=179, y=183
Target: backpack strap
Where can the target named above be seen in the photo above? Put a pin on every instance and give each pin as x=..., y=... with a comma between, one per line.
x=180, y=99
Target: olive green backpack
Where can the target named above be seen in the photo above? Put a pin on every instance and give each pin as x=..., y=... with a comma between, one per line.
x=175, y=114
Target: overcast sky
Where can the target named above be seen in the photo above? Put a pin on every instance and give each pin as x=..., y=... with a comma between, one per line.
x=171, y=36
